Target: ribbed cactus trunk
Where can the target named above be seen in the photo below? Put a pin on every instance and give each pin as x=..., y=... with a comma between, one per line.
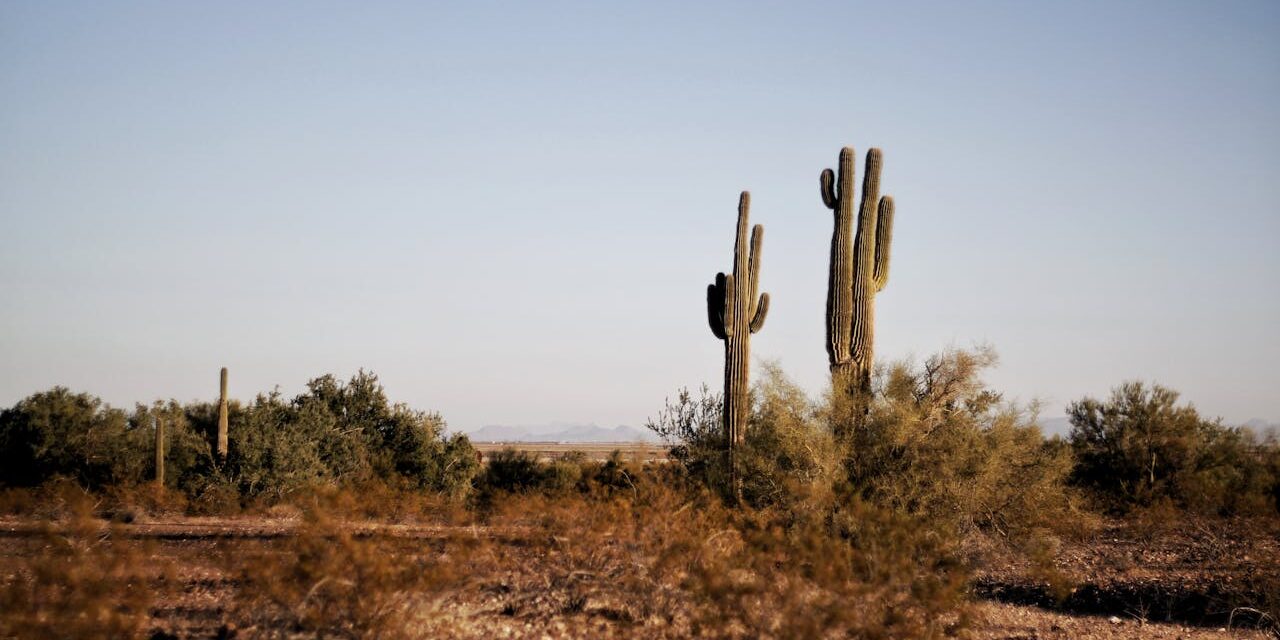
x=222, y=417
x=159, y=453
x=859, y=269
x=735, y=310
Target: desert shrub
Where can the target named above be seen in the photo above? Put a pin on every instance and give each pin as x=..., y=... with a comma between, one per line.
x=188, y=457
x=613, y=475
x=693, y=430
x=1140, y=447
x=334, y=434
x=18, y=501
x=856, y=571
x=328, y=582
x=412, y=445
x=1270, y=451
x=566, y=473
x=60, y=433
x=377, y=500
x=786, y=452
x=275, y=447
x=667, y=562
x=938, y=444
x=511, y=471
x=340, y=434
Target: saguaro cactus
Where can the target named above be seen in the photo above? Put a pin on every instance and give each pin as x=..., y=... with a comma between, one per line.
x=159, y=452
x=859, y=269
x=222, y=417
x=735, y=312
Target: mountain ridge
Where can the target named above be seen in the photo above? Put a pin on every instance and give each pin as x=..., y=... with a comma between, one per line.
x=564, y=433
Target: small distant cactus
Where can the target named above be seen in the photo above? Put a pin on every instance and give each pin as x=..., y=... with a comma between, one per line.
x=735, y=312
x=159, y=452
x=222, y=417
x=859, y=269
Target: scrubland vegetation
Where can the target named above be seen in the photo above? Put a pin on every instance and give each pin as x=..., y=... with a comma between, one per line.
x=340, y=514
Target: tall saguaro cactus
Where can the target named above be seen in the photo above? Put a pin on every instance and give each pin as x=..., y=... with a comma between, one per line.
x=859, y=270
x=735, y=312
x=222, y=417
x=159, y=452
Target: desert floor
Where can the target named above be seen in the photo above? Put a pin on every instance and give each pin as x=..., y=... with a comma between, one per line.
x=1129, y=581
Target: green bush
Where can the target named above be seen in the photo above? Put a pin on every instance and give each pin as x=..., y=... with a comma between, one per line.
x=511, y=471
x=334, y=434
x=938, y=444
x=612, y=476
x=565, y=473
x=75, y=435
x=1141, y=447
x=1271, y=462
x=786, y=453
x=187, y=452
x=341, y=434
x=693, y=430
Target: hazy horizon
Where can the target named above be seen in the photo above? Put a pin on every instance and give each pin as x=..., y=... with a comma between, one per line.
x=511, y=213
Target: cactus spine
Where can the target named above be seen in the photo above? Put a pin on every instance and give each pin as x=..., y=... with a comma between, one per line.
x=159, y=452
x=859, y=269
x=735, y=312
x=222, y=417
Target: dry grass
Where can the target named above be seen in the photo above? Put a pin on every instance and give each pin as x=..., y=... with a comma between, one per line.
x=79, y=580
x=653, y=562
x=330, y=582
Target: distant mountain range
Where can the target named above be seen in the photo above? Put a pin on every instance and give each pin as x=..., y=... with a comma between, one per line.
x=574, y=433
x=588, y=433
x=1059, y=426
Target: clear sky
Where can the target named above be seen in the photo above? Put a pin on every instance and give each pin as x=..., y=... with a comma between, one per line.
x=510, y=211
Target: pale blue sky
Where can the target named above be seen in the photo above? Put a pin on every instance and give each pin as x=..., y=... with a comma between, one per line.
x=510, y=211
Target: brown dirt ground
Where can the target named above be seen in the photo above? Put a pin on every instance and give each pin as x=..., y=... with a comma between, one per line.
x=1129, y=581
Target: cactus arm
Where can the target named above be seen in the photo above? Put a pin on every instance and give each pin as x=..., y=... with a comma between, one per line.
x=826, y=185
x=762, y=309
x=871, y=182
x=715, y=307
x=884, y=239
x=728, y=306
x=753, y=270
x=864, y=247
